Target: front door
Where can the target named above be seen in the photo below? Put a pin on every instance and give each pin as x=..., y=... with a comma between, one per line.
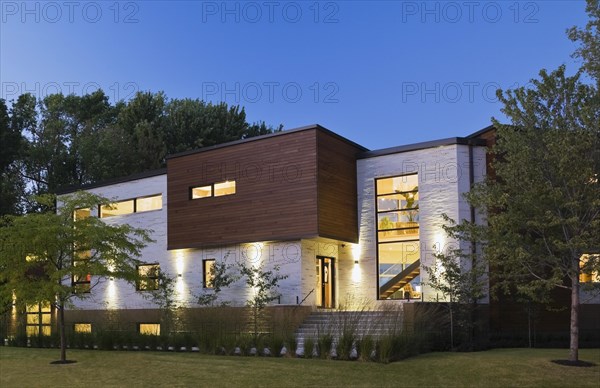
x=326, y=271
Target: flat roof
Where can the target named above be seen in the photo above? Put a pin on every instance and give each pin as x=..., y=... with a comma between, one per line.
x=422, y=145
x=111, y=181
x=267, y=136
x=366, y=153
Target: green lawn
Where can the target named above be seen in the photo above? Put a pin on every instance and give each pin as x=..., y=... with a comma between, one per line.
x=21, y=367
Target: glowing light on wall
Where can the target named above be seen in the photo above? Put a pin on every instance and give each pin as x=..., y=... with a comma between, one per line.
x=179, y=262
x=111, y=294
x=439, y=242
x=356, y=249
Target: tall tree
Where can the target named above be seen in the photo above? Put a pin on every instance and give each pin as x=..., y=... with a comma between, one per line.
x=11, y=181
x=589, y=39
x=41, y=254
x=545, y=200
x=21, y=118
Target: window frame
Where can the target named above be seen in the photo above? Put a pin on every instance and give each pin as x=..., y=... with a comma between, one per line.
x=40, y=327
x=148, y=278
x=594, y=276
x=377, y=213
x=212, y=190
x=205, y=283
x=135, y=205
x=82, y=323
x=139, y=326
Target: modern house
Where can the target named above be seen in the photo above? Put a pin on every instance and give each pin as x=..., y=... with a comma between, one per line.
x=345, y=224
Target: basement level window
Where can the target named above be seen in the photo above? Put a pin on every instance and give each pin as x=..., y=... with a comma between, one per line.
x=217, y=189
x=82, y=327
x=149, y=328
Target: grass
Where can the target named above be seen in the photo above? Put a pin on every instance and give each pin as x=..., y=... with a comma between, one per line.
x=22, y=367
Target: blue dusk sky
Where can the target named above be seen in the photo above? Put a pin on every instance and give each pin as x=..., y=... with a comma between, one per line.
x=381, y=73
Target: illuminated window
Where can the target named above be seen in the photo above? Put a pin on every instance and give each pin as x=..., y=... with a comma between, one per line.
x=117, y=209
x=201, y=192
x=82, y=328
x=136, y=205
x=589, y=264
x=218, y=189
x=149, y=328
x=149, y=277
x=39, y=319
x=224, y=188
x=146, y=204
x=81, y=281
x=398, y=246
x=208, y=272
x=80, y=214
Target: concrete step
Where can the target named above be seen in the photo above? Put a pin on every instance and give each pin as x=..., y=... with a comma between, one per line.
x=359, y=323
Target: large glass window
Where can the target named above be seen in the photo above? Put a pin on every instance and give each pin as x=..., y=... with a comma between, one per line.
x=149, y=277
x=39, y=319
x=398, y=249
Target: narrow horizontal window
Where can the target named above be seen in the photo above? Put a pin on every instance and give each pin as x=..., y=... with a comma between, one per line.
x=218, y=189
x=148, y=203
x=224, y=188
x=80, y=214
x=201, y=192
x=117, y=209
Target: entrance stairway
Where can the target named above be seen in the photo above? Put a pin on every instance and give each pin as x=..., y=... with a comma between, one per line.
x=399, y=281
x=359, y=324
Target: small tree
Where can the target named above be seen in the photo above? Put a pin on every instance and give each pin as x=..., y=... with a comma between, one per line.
x=461, y=278
x=264, y=285
x=42, y=253
x=222, y=277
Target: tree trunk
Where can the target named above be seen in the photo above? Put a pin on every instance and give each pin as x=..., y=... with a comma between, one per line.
x=451, y=330
x=63, y=336
x=574, y=346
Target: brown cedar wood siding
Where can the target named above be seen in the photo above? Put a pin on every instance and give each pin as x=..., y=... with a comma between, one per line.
x=338, y=214
x=275, y=199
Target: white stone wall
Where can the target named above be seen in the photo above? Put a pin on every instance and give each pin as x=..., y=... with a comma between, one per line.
x=443, y=174
x=443, y=178
x=116, y=293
